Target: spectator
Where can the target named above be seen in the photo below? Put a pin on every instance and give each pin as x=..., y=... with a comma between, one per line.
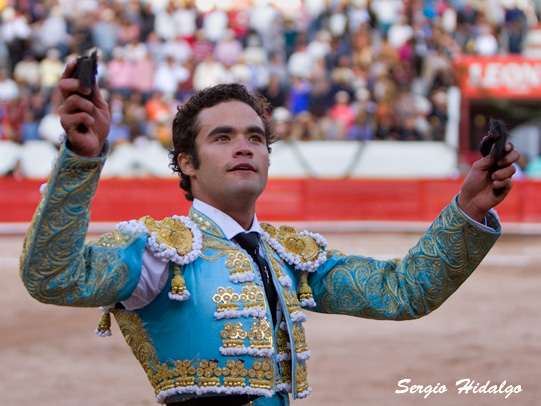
x=15, y=32
x=169, y=75
x=215, y=24
x=8, y=88
x=164, y=23
x=394, y=53
x=185, y=17
x=49, y=128
x=177, y=48
x=119, y=73
x=27, y=73
x=53, y=32
x=486, y=43
x=202, y=46
x=142, y=75
x=301, y=61
x=208, y=73
x=81, y=36
x=228, y=50
x=342, y=114
x=105, y=32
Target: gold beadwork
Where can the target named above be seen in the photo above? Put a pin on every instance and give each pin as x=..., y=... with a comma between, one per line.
x=260, y=335
x=251, y=296
x=171, y=232
x=238, y=262
x=223, y=298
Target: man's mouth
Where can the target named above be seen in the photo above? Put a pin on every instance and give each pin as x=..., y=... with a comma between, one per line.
x=243, y=167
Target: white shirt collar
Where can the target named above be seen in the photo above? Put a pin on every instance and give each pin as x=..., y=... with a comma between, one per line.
x=227, y=224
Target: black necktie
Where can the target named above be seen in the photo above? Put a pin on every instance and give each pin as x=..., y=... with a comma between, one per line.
x=250, y=243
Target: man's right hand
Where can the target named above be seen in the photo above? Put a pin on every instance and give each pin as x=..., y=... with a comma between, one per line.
x=76, y=110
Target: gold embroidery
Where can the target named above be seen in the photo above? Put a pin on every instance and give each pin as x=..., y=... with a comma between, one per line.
x=213, y=243
x=278, y=267
x=113, y=239
x=54, y=264
x=205, y=224
x=292, y=303
x=171, y=232
x=301, y=375
x=282, y=340
x=299, y=338
x=183, y=373
x=285, y=369
x=411, y=287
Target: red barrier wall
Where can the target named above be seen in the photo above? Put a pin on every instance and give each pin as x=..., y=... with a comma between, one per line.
x=283, y=200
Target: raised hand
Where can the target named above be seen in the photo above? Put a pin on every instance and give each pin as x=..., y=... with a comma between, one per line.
x=93, y=114
x=483, y=189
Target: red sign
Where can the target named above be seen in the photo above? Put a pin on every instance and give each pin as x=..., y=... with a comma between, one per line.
x=499, y=77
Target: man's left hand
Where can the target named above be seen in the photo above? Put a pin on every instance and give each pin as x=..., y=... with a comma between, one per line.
x=482, y=190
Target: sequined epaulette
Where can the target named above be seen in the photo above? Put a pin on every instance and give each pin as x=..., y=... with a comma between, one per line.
x=175, y=238
x=305, y=251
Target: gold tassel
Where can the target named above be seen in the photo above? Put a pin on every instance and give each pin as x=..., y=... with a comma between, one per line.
x=178, y=286
x=104, y=325
x=305, y=291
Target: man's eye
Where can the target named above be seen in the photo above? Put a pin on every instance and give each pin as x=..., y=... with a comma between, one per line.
x=257, y=138
x=222, y=138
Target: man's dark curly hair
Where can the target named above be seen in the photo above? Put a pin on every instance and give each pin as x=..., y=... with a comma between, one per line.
x=186, y=125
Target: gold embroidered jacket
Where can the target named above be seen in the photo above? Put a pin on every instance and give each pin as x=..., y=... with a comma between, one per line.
x=209, y=331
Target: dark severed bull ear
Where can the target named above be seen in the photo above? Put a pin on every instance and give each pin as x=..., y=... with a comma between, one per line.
x=86, y=71
x=497, y=136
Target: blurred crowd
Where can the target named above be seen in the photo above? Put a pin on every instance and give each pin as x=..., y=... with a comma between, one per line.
x=331, y=69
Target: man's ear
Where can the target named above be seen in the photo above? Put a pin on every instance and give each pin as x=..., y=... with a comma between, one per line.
x=185, y=163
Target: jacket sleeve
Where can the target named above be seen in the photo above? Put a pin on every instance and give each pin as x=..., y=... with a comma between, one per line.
x=56, y=266
x=408, y=288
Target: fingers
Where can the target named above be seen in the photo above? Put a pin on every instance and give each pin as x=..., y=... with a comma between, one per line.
x=71, y=122
x=503, y=185
x=510, y=157
x=74, y=111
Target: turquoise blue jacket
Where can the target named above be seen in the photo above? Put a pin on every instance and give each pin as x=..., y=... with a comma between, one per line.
x=209, y=331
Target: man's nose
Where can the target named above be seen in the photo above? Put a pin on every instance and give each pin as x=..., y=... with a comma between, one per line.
x=242, y=146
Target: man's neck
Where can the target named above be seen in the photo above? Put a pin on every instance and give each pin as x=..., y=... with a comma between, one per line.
x=225, y=220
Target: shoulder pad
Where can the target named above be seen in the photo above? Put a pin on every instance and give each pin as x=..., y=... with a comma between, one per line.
x=304, y=245
x=170, y=231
